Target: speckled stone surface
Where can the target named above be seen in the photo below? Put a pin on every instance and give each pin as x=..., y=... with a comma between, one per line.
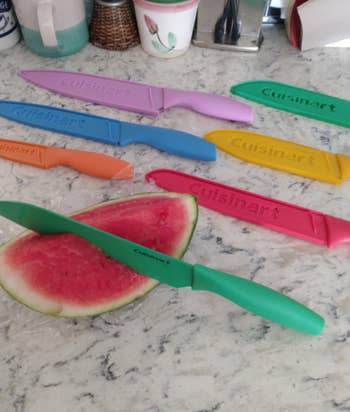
x=178, y=350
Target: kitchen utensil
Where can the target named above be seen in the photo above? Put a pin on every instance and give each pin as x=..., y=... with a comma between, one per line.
x=165, y=27
x=113, y=25
x=235, y=27
x=283, y=217
x=137, y=97
x=38, y=155
x=227, y=26
x=282, y=155
x=250, y=295
x=52, y=28
x=296, y=100
x=107, y=130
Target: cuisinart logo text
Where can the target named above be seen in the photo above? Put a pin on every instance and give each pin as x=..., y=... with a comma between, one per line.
x=158, y=258
x=273, y=152
x=19, y=149
x=55, y=119
x=292, y=98
x=106, y=88
x=232, y=201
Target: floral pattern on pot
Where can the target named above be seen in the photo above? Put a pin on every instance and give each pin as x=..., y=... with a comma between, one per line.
x=159, y=44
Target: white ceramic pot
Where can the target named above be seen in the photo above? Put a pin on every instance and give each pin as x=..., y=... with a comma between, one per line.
x=165, y=28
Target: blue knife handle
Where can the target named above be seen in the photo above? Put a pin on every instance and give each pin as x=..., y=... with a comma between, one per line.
x=171, y=141
x=64, y=121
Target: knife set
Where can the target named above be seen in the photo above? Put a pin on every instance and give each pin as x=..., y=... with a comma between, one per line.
x=264, y=150
x=125, y=95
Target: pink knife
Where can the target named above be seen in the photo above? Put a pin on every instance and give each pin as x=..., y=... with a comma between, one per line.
x=283, y=217
x=136, y=97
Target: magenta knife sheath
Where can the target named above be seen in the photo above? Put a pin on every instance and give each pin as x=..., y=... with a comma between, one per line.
x=136, y=97
x=277, y=215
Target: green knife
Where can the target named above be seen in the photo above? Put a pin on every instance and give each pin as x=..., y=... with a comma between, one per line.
x=250, y=295
x=296, y=100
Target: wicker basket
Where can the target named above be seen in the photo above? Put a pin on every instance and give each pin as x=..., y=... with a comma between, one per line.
x=113, y=25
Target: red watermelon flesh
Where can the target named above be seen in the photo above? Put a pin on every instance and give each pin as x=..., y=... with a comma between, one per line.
x=65, y=275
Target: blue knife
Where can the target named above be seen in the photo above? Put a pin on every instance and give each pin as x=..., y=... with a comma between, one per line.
x=107, y=130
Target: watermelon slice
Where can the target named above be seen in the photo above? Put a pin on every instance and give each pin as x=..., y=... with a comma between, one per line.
x=65, y=275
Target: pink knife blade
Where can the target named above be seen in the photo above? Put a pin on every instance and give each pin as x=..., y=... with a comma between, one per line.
x=136, y=97
x=283, y=217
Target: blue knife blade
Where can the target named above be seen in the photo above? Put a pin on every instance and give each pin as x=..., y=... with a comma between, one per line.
x=107, y=130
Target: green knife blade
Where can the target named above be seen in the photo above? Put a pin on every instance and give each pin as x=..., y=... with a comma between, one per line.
x=296, y=100
x=250, y=295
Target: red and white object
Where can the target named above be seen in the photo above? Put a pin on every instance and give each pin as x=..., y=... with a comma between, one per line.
x=293, y=23
x=318, y=23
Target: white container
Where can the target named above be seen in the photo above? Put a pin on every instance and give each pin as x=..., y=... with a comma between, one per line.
x=165, y=28
x=52, y=28
x=9, y=31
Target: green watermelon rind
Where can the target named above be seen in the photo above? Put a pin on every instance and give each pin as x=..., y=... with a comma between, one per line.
x=192, y=206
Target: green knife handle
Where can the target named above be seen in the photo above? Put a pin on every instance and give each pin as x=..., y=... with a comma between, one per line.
x=258, y=299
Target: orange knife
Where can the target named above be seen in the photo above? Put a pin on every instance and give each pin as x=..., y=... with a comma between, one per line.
x=91, y=163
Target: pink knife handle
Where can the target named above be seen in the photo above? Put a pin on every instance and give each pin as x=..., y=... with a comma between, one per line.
x=209, y=104
x=274, y=214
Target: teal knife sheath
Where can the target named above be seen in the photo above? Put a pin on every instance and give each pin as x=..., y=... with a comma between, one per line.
x=296, y=100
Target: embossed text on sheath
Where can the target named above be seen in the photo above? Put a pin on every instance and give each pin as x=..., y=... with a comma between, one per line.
x=302, y=101
x=94, y=86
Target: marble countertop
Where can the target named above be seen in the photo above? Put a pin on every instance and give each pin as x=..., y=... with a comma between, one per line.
x=178, y=350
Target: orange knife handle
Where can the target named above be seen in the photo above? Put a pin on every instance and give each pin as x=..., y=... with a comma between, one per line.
x=91, y=163
x=344, y=165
